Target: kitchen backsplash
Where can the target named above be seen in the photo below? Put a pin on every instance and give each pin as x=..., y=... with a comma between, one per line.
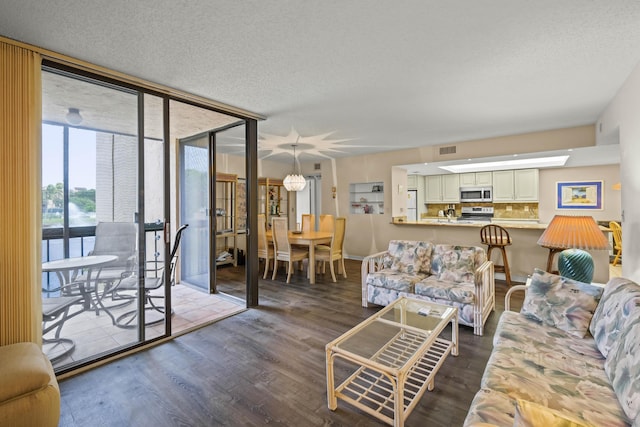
x=500, y=210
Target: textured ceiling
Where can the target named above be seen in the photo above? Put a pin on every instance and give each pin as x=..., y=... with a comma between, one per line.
x=368, y=75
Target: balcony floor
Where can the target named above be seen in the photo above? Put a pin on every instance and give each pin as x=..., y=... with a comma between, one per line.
x=95, y=334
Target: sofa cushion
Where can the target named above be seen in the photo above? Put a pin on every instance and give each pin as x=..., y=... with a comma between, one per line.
x=517, y=331
x=530, y=414
x=619, y=305
x=446, y=290
x=409, y=256
x=24, y=369
x=392, y=279
x=555, y=380
x=623, y=368
x=454, y=263
x=561, y=302
x=490, y=407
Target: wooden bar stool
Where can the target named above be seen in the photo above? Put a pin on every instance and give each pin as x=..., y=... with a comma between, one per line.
x=497, y=237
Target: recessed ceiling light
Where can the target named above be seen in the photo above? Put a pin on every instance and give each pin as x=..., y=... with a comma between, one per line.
x=539, y=162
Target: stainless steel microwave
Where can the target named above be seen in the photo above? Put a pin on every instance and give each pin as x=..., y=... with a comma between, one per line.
x=476, y=194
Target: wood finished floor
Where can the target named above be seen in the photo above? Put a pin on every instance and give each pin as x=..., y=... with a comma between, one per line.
x=263, y=366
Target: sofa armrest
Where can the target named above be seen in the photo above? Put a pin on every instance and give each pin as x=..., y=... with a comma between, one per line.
x=507, y=297
x=485, y=292
x=370, y=264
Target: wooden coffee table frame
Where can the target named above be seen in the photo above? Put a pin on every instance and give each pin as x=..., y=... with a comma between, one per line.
x=401, y=371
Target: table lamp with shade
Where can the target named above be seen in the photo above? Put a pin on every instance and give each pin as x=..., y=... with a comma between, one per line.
x=570, y=235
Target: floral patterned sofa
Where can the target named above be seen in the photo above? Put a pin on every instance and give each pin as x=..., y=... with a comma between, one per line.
x=546, y=367
x=458, y=276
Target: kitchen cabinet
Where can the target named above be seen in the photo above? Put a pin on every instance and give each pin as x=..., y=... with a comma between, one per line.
x=451, y=188
x=526, y=185
x=412, y=181
x=472, y=179
x=442, y=188
x=519, y=185
x=433, y=189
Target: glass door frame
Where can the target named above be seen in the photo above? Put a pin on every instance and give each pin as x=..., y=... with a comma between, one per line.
x=210, y=135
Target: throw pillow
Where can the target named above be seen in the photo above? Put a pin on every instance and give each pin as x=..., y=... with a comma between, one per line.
x=410, y=256
x=623, y=368
x=454, y=263
x=560, y=302
x=529, y=414
x=619, y=305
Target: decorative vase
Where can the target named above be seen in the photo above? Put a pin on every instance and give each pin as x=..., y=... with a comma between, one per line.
x=576, y=264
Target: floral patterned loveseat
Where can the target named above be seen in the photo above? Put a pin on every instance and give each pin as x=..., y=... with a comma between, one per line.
x=458, y=276
x=546, y=367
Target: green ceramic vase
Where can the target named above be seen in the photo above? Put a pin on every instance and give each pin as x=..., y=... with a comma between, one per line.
x=576, y=264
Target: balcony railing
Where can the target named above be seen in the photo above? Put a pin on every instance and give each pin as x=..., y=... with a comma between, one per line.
x=81, y=242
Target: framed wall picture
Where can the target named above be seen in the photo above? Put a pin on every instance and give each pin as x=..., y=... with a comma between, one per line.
x=579, y=195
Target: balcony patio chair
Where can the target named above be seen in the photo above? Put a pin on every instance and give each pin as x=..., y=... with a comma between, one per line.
x=155, y=279
x=118, y=239
x=265, y=247
x=55, y=312
x=284, y=251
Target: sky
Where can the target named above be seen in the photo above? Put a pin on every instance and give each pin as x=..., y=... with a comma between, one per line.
x=82, y=157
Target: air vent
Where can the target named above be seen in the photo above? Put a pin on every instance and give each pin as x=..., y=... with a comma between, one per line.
x=316, y=166
x=448, y=150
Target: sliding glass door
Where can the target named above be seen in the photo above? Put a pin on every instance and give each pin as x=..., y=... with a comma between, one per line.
x=103, y=212
x=196, y=211
x=213, y=201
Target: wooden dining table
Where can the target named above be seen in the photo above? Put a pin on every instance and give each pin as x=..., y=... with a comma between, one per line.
x=309, y=239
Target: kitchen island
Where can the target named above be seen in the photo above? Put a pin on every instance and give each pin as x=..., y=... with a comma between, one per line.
x=524, y=253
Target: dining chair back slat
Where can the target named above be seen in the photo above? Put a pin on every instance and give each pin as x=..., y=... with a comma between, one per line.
x=265, y=248
x=334, y=252
x=327, y=223
x=283, y=250
x=308, y=222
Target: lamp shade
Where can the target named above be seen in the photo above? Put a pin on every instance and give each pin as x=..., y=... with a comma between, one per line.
x=581, y=232
x=566, y=232
x=294, y=182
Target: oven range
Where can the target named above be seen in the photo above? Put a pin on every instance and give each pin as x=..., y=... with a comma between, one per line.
x=476, y=213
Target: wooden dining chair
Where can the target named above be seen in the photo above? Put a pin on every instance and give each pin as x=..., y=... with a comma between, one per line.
x=616, y=229
x=333, y=252
x=265, y=247
x=327, y=223
x=283, y=250
x=308, y=222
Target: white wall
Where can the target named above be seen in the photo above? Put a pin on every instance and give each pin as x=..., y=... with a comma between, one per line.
x=621, y=120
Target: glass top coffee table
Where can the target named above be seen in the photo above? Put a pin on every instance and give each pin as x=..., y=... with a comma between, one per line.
x=396, y=353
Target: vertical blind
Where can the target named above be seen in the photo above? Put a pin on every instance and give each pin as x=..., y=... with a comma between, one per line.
x=20, y=194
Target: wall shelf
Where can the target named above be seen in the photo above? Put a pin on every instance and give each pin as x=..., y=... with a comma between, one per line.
x=366, y=198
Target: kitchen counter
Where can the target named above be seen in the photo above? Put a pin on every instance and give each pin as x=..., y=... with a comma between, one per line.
x=524, y=254
x=509, y=224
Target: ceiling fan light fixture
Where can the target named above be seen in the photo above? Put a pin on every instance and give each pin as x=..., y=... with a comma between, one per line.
x=294, y=181
x=73, y=116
